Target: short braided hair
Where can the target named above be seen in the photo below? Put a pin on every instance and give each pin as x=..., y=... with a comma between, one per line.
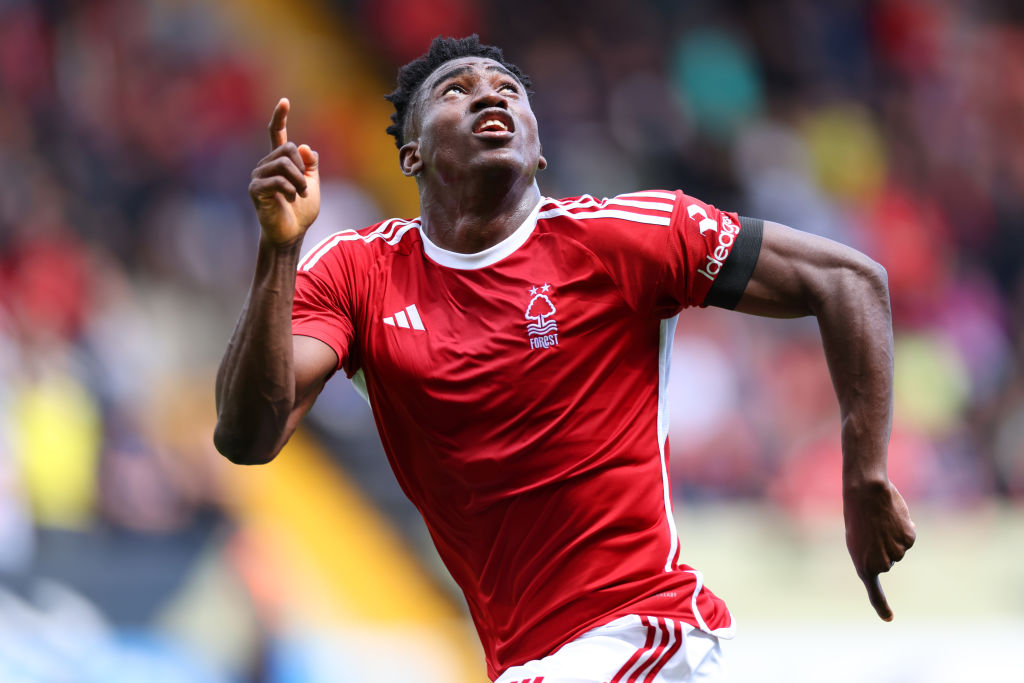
x=442, y=49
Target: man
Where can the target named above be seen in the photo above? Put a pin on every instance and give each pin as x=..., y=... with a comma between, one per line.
x=514, y=349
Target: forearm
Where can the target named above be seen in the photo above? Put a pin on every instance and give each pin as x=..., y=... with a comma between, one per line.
x=800, y=274
x=856, y=328
x=256, y=379
x=852, y=308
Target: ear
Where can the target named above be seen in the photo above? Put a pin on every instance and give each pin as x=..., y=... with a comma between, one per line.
x=542, y=163
x=409, y=158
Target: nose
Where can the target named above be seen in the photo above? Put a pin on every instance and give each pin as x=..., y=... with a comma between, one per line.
x=488, y=97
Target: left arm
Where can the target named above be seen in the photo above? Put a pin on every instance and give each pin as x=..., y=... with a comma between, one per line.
x=800, y=274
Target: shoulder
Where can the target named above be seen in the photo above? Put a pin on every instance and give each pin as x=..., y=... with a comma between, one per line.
x=612, y=222
x=361, y=246
x=648, y=207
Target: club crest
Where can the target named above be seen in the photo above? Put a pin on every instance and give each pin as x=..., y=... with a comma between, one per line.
x=542, y=328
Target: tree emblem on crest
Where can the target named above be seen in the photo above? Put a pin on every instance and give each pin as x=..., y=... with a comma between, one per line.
x=540, y=310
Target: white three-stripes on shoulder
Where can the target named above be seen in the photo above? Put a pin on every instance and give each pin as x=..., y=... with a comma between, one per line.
x=622, y=207
x=391, y=231
x=656, y=194
x=638, y=200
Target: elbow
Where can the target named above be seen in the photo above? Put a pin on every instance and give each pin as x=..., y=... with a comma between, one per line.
x=863, y=275
x=241, y=448
x=874, y=277
x=854, y=279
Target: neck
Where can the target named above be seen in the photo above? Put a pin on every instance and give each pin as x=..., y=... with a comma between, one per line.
x=468, y=218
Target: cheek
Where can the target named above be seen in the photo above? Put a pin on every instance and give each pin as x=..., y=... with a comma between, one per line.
x=534, y=138
x=433, y=140
x=439, y=126
x=530, y=126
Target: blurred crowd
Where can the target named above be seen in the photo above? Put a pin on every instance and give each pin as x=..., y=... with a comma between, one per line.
x=128, y=131
x=123, y=132
x=893, y=126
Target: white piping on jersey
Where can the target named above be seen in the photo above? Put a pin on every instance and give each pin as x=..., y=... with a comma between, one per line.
x=328, y=243
x=587, y=201
x=654, y=206
x=579, y=208
x=668, y=331
x=724, y=632
x=391, y=231
x=699, y=577
x=608, y=213
x=488, y=256
x=659, y=194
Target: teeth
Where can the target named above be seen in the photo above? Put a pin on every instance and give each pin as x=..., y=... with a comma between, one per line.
x=491, y=123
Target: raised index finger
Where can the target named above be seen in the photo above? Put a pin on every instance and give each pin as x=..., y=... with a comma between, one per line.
x=877, y=596
x=279, y=124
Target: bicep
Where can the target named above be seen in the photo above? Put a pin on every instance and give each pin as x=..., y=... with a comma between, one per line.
x=314, y=362
x=793, y=271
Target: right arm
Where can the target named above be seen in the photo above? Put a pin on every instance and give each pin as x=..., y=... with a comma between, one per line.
x=798, y=274
x=269, y=378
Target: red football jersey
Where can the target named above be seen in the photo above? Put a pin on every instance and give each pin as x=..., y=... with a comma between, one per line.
x=520, y=396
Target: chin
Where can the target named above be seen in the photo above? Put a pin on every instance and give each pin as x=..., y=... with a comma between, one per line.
x=503, y=161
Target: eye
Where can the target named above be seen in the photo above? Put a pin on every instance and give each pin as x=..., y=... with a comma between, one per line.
x=509, y=86
x=452, y=87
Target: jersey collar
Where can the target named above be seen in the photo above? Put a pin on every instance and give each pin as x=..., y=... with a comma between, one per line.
x=488, y=256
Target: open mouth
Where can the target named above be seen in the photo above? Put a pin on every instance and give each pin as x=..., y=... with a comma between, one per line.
x=494, y=123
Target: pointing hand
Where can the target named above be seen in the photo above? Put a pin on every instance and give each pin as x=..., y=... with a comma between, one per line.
x=878, y=533
x=285, y=185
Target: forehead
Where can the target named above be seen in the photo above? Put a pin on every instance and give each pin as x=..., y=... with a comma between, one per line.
x=462, y=65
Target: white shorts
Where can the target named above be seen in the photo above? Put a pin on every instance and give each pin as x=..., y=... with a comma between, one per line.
x=631, y=649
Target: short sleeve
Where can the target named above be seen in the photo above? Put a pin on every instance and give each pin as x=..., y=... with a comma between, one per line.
x=666, y=250
x=707, y=254
x=322, y=308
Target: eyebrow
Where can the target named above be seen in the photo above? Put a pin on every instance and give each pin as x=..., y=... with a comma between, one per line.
x=459, y=70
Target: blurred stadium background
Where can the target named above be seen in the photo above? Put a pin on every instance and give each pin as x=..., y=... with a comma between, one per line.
x=129, y=550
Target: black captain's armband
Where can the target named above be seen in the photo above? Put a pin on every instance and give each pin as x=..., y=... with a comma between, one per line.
x=732, y=280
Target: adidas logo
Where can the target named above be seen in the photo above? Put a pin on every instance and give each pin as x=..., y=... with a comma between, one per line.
x=410, y=317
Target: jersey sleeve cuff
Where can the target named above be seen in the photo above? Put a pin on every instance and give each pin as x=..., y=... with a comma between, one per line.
x=728, y=287
x=322, y=333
